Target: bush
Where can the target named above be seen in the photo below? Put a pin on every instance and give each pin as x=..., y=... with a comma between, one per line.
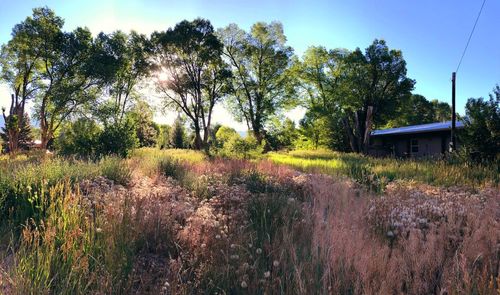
x=118, y=139
x=230, y=144
x=80, y=138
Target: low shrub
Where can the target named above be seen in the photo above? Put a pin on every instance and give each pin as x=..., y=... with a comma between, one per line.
x=115, y=169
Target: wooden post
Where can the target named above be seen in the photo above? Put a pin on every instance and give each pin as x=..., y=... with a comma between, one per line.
x=453, y=141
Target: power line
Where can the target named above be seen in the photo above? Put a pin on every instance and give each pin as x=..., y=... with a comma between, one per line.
x=470, y=36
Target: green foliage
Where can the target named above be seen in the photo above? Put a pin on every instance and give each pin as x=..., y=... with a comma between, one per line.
x=172, y=167
x=230, y=144
x=282, y=135
x=224, y=135
x=71, y=253
x=482, y=128
x=355, y=91
x=188, y=48
x=418, y=110
x=24, y=134
x=163, y=140
x=146, y=129
x=80, y=138
x=24, y=185
x=260, y=61
x=118, y=139
x=178, y=134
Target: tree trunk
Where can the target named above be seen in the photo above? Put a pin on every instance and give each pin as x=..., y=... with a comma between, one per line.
x=368, y=129
x=350, y=134
x=45, y=137
x=198, y=142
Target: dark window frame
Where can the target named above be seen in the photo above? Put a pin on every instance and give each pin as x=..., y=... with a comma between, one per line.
x=414, y=145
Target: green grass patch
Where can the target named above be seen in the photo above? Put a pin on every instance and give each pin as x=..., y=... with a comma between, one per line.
x=377, y=172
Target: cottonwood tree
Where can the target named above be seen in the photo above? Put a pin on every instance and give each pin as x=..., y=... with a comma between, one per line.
x=70, y=79
x=374, y=85
x=320, y=80
x=127, y=64
x=192, y=77
x=260, y=61
x=20, y=61
x=58, y=69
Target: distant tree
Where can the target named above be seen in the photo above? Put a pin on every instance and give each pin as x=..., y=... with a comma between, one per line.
x=192, y=77
x=145, y=128
x=260, y=62
x=163, y=140
x=442, y=111
x=481, y=134
x=24, y=134
x=118, y=139
x=79, y=138
x=224, y=135
x=418, y=110
x=60, y=70
x=282, y=135
x=322, y=80
x=178, y=134
x=66, y=73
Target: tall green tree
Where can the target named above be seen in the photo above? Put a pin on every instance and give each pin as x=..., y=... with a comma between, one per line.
x=375, y=85
x=71, y=79
x=482, y=127
x=321, y=77
x=442, y=110
x=192, y=77
x=128, y=63
x=260, y=60
x=282, y=135
x=146, y=129
x=21, y=62
x=178, y=134
x=58, y=69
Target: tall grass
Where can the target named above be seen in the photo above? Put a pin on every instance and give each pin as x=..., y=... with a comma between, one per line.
x=225, y=226
x=377, y=172
x=24, y=182
x=76, y=250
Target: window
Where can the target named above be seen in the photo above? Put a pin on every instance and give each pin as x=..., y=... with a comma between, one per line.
x=414, y=146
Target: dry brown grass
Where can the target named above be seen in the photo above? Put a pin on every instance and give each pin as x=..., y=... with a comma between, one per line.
x=240, y=227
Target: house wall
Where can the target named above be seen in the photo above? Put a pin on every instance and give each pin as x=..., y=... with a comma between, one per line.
x=431, y=144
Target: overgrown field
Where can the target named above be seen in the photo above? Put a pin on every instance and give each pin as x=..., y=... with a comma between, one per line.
x=378, y=172
x=175, y=222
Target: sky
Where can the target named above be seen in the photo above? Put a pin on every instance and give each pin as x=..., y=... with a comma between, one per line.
x=431, y=34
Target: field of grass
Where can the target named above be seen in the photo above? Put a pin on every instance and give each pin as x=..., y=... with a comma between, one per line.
x=377, y=172
x=176, y=222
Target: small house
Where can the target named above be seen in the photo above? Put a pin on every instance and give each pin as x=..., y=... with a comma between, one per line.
x=417, y=141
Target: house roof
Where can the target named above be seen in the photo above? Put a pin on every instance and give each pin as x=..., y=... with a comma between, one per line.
x=432, y=127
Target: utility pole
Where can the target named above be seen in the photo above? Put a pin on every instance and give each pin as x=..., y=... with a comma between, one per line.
x=453, y=140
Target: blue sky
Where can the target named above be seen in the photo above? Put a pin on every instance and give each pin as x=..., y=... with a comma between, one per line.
x=432, y=34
